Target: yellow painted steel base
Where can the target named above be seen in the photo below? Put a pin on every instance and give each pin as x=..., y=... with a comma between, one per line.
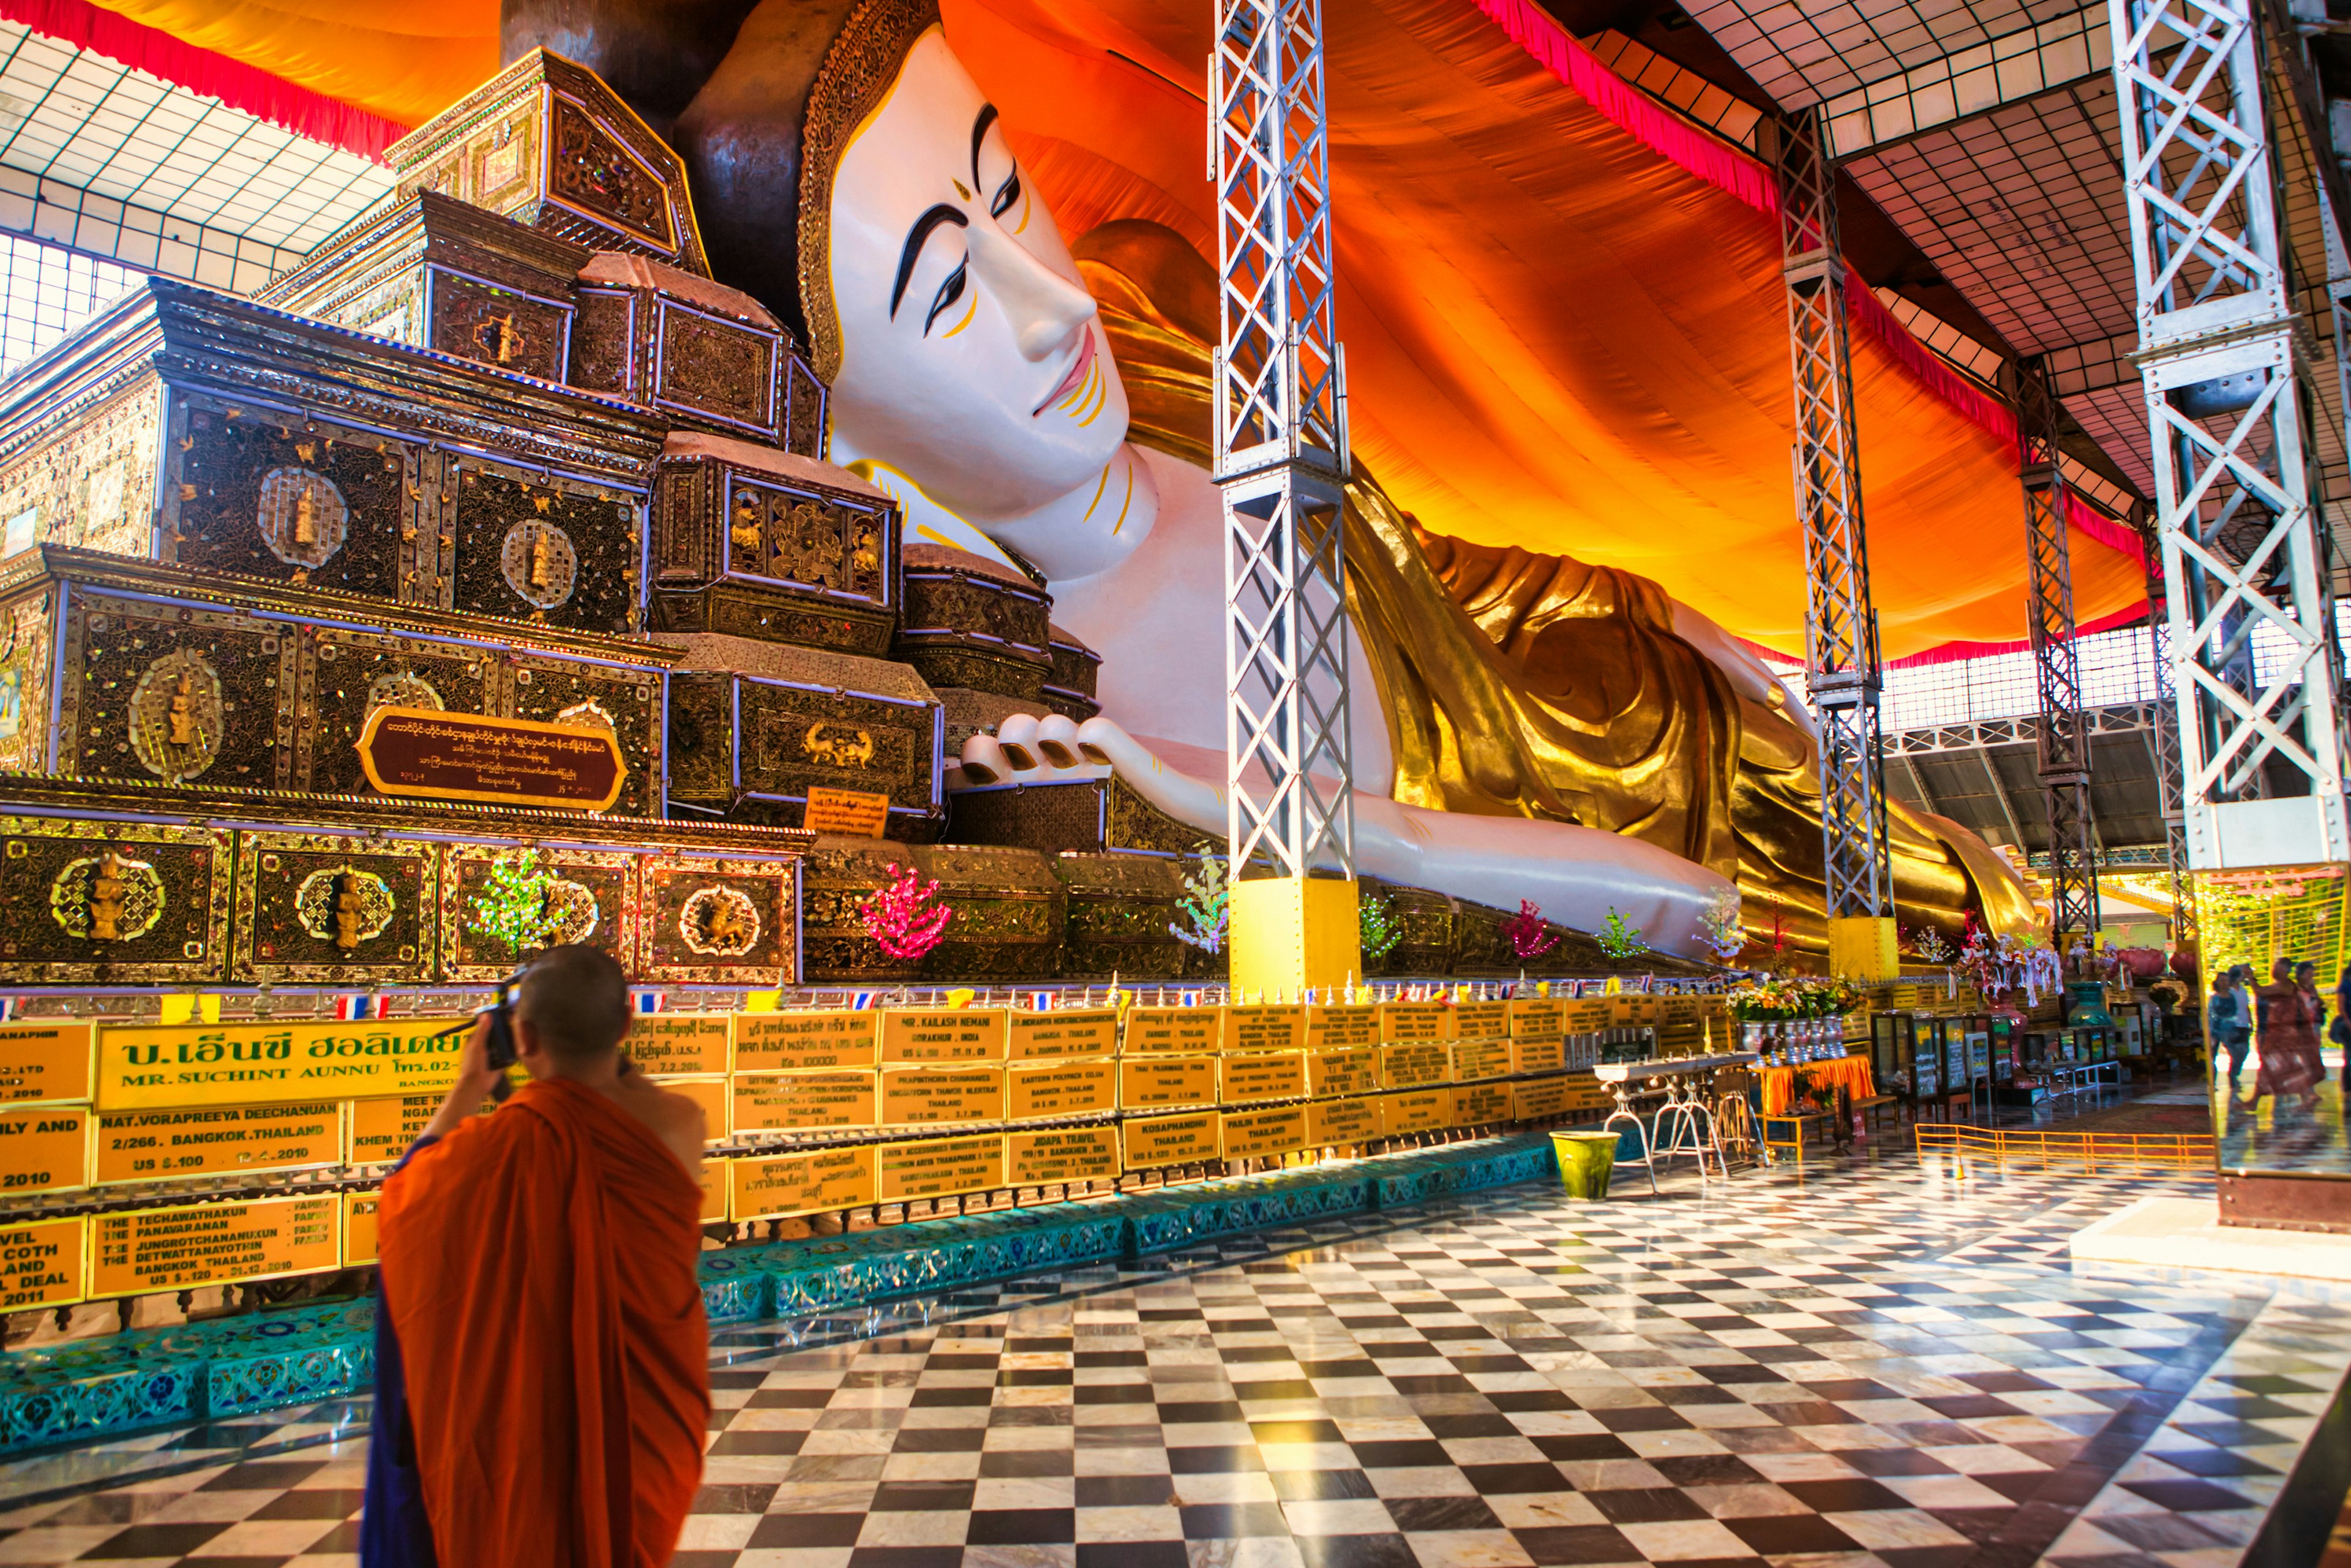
x=1290, y=933
x=1861, y=947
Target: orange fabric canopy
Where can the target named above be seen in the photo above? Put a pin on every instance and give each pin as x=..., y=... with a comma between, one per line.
x=1557, y=337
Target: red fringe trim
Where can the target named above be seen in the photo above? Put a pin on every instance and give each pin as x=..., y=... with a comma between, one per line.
x=234, y=83
x=1953, y=653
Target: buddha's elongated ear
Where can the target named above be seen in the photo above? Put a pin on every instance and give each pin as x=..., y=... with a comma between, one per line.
x=656, y=54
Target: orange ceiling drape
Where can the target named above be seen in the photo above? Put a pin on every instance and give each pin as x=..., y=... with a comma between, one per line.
x=1556, y=338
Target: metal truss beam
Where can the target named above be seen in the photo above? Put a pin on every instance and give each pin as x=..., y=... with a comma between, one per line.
x=2225, y=366
x=1280, y=444
x=1840, y=627
x=2023, y=729
x=2063, y=742
x=2163, y=736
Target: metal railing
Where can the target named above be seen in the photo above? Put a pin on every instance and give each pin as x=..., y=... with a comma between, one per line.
x=2021, y=1147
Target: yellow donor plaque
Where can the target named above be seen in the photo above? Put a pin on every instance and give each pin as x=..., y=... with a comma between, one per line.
x=1174, y=1029
x=1350, y=1121
x=915, y=1096
x=975, y=1034
x=941, y=1167
x=1341, y=1028
x=359, y=1229
x=797, y=1042
x=1416, y=1111
x=1276, y=1075
x=1481, y=1020
x=1537, y=1055
x=1164, y=1083
x=382, y=1130
x=795, y=1102
x=713, y=1178
x=1589, y=1016
x=1088, y=1031
x=273, y=1064
x=1036, y=1092
x=1538, y=1018
x=214, y=1244
x=710, y=1095
x=148, y=1145
x=44, y=1265
x=1404, y=1066
x=1481, y=1058
x=1403, y=1023
x=1480, y=1104
x=1355, y=1071
x=1544, y=1097
x=1250, y=1133
x=1062, y=1154
x=676, y=1045
x=1264, y=1028
x=1154, y=1141
x=44, y=1149
x=44, y=1061
x=813, y=1183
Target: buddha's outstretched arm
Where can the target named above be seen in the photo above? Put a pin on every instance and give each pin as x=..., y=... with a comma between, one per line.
x=1578, y=875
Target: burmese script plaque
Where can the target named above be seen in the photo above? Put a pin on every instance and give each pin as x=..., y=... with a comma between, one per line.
x=427, y=753
x=147, y=1146
x=43, y=1265
x=1335, y=1122
x=813, y=1183
x=803, y=1042
x=852, y=812
x=1175, y=1028
x=677, y=1044
x=214, y=1244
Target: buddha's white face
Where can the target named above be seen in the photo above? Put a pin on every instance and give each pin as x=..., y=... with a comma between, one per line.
x=972, y=358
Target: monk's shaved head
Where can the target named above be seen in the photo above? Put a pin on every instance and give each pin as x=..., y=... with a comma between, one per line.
x=576, y=1001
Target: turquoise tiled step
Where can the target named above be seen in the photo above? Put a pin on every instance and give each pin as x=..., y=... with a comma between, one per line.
x=100, y=1388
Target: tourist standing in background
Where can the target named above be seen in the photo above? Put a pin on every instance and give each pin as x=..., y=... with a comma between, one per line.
x=2288, y=1044
x=2225, y=1021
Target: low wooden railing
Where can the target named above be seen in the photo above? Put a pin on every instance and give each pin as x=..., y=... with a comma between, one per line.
x=2021, y=1146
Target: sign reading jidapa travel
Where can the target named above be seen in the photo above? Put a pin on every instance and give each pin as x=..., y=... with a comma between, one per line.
x=430, y=755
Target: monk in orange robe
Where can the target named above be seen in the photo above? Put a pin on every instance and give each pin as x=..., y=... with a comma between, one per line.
x=543, y=1382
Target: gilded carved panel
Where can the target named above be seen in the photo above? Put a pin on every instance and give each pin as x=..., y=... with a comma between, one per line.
x=175, y=693
x=330, y=909
x=602, y=696
x=345, y=676
x=93, y=486
x=717, y=921
x=564, y=554
x=112, y=902
x=268, y=495
x=498, y=907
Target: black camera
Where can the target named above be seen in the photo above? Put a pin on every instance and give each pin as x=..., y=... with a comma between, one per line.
x=500, y=1046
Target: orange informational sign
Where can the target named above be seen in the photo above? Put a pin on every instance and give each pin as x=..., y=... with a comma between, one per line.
x=1036, y=1090
x=1154, y=1141
x=1268, y=1075
x=852, y=812
x=214, y=1244
x=1537, y=1055
x=1403, y=1023
x=941, y=1167
x=45, y=1061
x=1356, y=1071
x=44, y=1264
x=956, y=1034
x=1176, y=1030
x=1416, y=1111
x=1272, y=1028
x=1538, y=1018
x=677, y=1045
x=1078, y=1031
x=1480, y=1058
x=1354, y=1120
x=43, y=1148
x=1250, y=1133
x=1165, y=1082
x=1477, y=1103
x=710, y=1094
x=428, y=754
x=1537, y=1098
x=1589, y=1015
x=806, y=1043
x=152, y=1145
x=1062, y=1154
x=1405, y=1066
x=359, y=1229
x=917, y=1096
x=382, y=1130
x=1481, y=1020
x=172, y=1066
x=801, y=1102
x=712, y=1177
x=813, y=1183
x=1342, y=1027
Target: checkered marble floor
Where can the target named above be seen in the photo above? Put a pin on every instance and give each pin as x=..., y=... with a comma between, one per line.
x=1875, y=1363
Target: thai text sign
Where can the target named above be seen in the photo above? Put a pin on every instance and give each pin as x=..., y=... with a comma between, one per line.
x=427, y=753
x=214, y=1244
x=801, y=1043
x=272, y=1063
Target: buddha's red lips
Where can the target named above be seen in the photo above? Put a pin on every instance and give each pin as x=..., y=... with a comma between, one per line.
x=1078, y=369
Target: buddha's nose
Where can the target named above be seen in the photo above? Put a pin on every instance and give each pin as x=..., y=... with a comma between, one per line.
x=1046, y=310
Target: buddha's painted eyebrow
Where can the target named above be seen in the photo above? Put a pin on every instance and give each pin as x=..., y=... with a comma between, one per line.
x=941, y=213
x=978, y=134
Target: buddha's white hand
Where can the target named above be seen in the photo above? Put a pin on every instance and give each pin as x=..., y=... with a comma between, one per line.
x=1577, y=875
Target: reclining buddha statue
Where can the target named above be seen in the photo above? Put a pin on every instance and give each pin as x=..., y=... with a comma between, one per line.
x=1525, y=727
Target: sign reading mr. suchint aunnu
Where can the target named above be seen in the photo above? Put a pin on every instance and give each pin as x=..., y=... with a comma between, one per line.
x=431, y=755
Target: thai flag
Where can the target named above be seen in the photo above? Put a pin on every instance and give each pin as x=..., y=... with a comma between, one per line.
x=8, y=1009
x=362, y=1006
x=650, y=1001
x=1040, y=1001
x=1191, y=999
x=862, y=1003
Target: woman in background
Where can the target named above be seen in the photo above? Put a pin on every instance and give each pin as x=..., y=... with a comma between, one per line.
x=2288, y=1043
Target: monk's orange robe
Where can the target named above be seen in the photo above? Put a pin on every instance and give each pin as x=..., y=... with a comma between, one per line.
x=538, y=1265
